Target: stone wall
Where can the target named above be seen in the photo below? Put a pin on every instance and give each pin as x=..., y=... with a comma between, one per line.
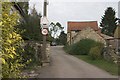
x=37, y=46
x=48, y=51
x=68, y=38
x=90, y=34
x=38, y=50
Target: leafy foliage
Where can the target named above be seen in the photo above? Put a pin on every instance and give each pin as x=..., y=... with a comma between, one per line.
x=82, y=47
x=96, y=52
x=49, y=38
x=63, y=38
x=32, y=30
x=108, y=22
x=24, y=6
x=54, y=28
x=11, y=43
x=29, y=55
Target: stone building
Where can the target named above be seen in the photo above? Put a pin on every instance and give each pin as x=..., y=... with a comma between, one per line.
x=89, y=33
x=82, y=30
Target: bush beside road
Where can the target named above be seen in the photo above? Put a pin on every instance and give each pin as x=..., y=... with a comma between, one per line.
x=92, y=52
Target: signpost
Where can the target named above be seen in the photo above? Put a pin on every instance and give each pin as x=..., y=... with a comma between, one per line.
x=44, y=24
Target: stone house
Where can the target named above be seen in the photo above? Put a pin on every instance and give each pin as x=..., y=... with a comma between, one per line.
x=113, y=41
x=90, y=30
x=83, y=30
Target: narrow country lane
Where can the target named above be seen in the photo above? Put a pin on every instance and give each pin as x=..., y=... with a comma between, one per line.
x=67, y=66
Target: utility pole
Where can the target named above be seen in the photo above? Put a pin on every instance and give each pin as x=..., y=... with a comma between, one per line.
x=45, y=8
x=44, y=32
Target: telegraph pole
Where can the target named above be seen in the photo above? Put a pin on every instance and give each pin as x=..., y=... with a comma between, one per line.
x=45, y=28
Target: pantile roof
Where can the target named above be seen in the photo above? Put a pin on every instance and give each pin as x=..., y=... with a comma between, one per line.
x=73, y=26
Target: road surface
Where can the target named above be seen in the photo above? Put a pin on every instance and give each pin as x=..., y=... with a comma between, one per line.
x=67, y=66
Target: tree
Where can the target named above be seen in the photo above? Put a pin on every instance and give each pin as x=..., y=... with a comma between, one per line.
x=24, y=6
x=32, y=30
x=54, y=28
x=108, y=22
x=49, y=38
x=63, y=38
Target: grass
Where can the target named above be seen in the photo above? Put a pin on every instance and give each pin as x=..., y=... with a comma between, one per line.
x=110, y=67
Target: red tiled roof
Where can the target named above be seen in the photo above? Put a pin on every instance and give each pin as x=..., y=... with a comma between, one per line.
x=81, y=25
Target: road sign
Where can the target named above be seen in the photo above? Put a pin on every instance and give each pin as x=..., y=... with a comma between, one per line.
x=44, y=31
x=44, y=22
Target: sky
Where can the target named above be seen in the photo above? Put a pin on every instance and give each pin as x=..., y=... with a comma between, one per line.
x=75, y=10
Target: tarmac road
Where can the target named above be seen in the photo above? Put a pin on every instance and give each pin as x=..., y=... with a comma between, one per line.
x=67, y=66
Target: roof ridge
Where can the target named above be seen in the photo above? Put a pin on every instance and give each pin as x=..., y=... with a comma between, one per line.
x=81, y=21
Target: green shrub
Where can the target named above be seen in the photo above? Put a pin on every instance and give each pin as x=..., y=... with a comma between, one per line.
x=11, y=43
x=29, y=54
x=66, y=48
x=31, y=27
x=95, y=52
x=82, y=47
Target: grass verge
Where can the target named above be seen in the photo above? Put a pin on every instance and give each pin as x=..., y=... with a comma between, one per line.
x=110, y=67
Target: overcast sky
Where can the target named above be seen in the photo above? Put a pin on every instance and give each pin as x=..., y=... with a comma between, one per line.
x=75, y=10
